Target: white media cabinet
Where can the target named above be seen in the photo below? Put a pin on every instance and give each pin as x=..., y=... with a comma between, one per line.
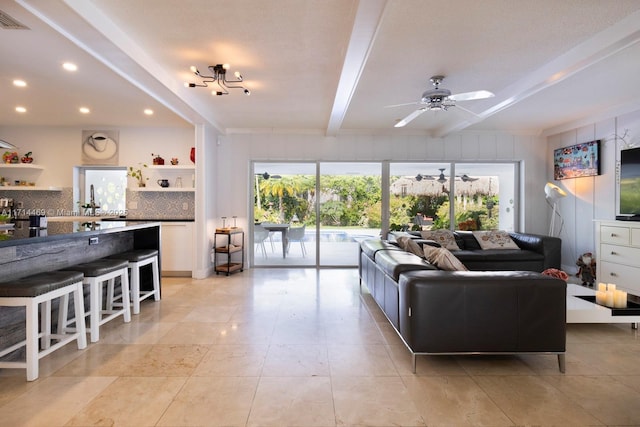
x=618, y=254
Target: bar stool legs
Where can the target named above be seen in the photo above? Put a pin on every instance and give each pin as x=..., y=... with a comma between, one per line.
x=96, y=274
x=35, y=292
x=137, y=259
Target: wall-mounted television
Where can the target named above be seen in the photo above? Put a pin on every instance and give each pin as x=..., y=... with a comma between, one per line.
x=577, y=160
x=629, y=185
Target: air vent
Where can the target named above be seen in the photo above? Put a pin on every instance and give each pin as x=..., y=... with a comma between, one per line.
x=8, y=23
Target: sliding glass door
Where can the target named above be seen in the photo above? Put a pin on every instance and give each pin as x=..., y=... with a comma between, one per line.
x=457, y=196
x=284, y=213
x=350, y=207
x=315, y=213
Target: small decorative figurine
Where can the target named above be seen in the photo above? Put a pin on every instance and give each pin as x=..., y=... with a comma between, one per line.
x=157, y=160
x=586, y=268
x=174, y=161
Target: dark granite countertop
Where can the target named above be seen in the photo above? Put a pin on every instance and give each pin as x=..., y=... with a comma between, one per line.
x=23, y=234
x=152, y=219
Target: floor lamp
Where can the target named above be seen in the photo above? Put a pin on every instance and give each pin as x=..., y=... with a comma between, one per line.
x=553, y=193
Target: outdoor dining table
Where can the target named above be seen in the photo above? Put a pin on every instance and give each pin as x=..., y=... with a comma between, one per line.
x=282, y=229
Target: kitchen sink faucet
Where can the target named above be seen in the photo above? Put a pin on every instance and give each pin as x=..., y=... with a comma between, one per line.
x=92, y=202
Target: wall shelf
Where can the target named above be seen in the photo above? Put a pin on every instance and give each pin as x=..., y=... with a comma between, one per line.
x=28, y=188
x=162, y=190
x=173, y=167
x=20, y=166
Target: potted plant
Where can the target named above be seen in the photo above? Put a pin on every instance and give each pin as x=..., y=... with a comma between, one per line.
x=137, y=174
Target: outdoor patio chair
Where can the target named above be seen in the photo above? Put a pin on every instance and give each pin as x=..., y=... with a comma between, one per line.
x=259, y=236
x=297, y=235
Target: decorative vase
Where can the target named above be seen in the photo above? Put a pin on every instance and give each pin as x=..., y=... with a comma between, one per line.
x=192, y=155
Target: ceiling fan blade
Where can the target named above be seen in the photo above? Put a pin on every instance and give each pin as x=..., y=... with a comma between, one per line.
x=470, y=96
x=400, y=105
x=409, y=118
x=467, y=111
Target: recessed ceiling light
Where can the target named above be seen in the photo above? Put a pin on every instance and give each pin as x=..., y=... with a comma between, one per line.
x=148, y=111
x=19, y=83
x=84, y=110
x=69, y=66
x=21, y=109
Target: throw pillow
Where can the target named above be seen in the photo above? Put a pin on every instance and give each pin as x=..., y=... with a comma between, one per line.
x=409, y=245
x=445, y=238
x=494, y=240
x=443, y=259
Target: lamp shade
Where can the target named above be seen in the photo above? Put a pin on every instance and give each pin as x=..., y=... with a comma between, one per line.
x=553, y=192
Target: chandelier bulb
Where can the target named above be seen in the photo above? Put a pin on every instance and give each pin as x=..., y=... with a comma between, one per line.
x=194, y=69
x=238, y=75
x=247, y=92
x=226, y=66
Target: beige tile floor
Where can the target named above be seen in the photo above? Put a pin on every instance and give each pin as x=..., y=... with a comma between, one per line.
x=303, y=347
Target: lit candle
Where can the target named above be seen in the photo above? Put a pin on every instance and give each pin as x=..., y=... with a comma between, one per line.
x=620, y=299
x=601, y=297
x=602, y=287
x=611, y=287
x=609, y=298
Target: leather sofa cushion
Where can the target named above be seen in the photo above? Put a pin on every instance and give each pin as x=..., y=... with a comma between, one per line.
x=371, y=246
x=501, y=259
x=473, y=311
x=394, y=263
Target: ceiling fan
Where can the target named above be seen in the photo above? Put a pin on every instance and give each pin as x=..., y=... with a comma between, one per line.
x=440, y=99
x=467, y=178
x=441, y=178
x=267, y=176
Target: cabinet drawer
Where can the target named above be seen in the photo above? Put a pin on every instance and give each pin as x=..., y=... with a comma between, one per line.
x=635, y=237
x=623, y=276
x=616, y=235
x=619, y=254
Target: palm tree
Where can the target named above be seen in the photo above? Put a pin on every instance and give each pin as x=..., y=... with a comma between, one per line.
x=288, y=185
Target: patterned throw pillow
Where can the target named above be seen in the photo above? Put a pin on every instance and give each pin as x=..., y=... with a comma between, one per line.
x=494, y=240
x=409, y=245
x=444, y=237
x=443, y=259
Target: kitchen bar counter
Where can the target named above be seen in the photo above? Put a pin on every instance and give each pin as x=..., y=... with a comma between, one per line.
x=152, y=219
x=63, y=245
x=29, y=251
x=23, y=234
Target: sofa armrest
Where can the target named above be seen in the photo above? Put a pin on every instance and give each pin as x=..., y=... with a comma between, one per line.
x=548, y=246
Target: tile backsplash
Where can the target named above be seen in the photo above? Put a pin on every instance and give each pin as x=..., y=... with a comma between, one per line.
x=140, y=205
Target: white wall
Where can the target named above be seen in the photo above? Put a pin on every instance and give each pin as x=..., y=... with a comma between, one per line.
x=235, y=153
x=589, y=198
x=58, y=149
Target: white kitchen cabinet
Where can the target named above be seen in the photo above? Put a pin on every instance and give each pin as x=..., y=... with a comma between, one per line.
x=176, y=246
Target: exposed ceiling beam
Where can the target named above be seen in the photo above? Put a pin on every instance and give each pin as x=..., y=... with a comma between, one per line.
x=365, y=28
x=598, y=48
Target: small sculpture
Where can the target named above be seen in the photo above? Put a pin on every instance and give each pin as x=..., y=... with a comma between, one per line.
x=586, y=268
x=157, y=160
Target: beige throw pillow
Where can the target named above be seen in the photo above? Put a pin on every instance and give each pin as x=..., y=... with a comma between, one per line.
x=408, y=244
x=443, y=259
x=444, y=237
x=494, y=240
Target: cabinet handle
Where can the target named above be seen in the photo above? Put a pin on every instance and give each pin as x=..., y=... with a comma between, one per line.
x=614, y=235
x=614, y=253
x=613, y=275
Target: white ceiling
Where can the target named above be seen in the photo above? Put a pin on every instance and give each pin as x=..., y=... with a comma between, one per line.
x=326, y=66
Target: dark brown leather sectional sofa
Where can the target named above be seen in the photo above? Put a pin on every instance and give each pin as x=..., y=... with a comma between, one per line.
x=468, y=312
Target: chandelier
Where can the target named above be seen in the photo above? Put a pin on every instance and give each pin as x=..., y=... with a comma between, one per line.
x=220, y=78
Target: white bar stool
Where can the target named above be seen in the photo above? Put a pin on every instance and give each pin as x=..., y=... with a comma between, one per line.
x=41, y=289
x=137, y=259
x=96, y=274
